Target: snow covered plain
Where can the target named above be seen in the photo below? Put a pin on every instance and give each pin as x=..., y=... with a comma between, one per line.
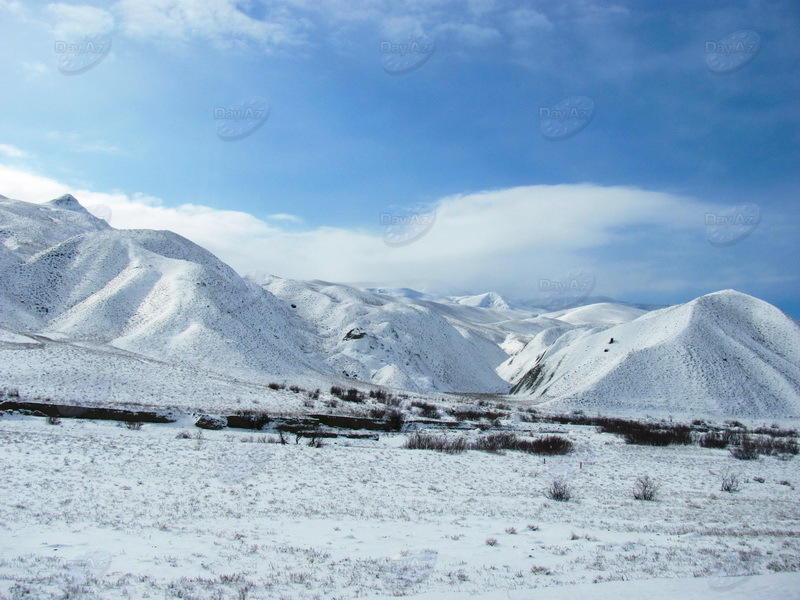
x=92, y=510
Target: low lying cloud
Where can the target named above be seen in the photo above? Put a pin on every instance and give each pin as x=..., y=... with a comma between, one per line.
x=506, y=239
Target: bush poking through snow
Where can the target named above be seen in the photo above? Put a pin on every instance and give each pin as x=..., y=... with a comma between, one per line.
x=395, y=419
x=491, y=542
x=730, y=483
x=774, y=446
x=349, y=395
x=654, y=436
x=548, y=445
x=53, y=421
x=496, y=442
x=746, y=449
x=428, y=441
x=211, y=422
x=377, y=412
x=470, y=414
x=133, y=425
x=385, y=397
x=645, y=488
x=538, y=570
x=426, y=410
x=559, y=491
x=715, y=440
x=775, y=431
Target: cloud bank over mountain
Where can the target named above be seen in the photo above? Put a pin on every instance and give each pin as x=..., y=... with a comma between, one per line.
x=509, y=239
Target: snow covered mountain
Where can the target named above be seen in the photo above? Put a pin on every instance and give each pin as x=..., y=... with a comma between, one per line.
x=487, y=300
x=151, y=292
x=601, y=313
x=122, y=302
x=725, y=353
x=67, y=275
x=26, y=229
x=392, y=340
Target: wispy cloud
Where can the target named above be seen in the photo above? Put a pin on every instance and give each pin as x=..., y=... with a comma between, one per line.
x=213, y=20
x=12, y=151
x=507, y=239
x=285, y=217
x=72, y=21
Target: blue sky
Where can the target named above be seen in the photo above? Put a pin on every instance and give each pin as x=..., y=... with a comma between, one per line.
x=625, y=198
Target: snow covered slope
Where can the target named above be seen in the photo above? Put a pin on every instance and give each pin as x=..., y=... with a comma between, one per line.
x=150, y=292
x=44, y=369
x=526, y=350
x=26, y=229
x=391, y=340
x=725, y=353
x=487, y=300
x=601, y=313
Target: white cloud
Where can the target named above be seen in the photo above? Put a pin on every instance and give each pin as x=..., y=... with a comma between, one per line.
x=285, y=217
x=75, y=21
x=12, y=6
x=12, y=151
x=214, y=20
x=506, y=239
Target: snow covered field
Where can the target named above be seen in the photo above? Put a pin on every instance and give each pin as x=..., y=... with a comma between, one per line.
x=95, y=510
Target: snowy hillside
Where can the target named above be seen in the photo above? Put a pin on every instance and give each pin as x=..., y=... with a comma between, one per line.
x=487, y=300
x=42, y=369
x=601, y=313
x=26, y=229
x=724, y=353
x=391, y=340
x=150, y=292
x=67, y=275
x=525, y=350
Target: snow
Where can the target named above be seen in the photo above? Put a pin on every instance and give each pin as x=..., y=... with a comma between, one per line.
x=130, y=298
x=90, y=315
x=26, y=229
x=601, y=313
x=42, y=369
x=117, y=513
x=486, y=300
x=391, y=340
x=156, y=294
x=725, y=353
x=783, y=586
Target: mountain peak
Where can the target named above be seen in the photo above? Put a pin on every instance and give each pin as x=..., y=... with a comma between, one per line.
x=485, y=300
x=67, y=202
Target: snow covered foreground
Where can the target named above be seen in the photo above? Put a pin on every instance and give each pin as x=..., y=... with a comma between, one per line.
x=91, y=511
x=785, y=586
